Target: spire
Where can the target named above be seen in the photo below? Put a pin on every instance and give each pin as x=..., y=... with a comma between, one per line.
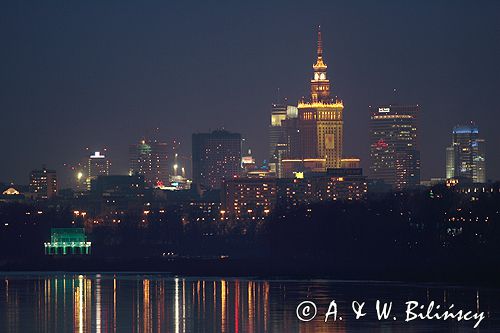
x=319, y=61
x=320, y=43
x=320, y=85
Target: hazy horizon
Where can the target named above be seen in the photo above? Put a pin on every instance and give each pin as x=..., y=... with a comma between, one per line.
x=94, y=74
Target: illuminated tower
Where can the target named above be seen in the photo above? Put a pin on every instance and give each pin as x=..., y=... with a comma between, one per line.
x=320, y=118
x=320, y=85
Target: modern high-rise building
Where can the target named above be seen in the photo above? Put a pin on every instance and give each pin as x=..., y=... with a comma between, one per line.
x=320, y=121
x=394, y=154
x=276, y=163
x=276, y=134
x=450, y=162
x=466, y=157
x=150, y=159
x=97, y=165
x=43, y=183
x=291, y=138
x=283, y=136
x=216, y=156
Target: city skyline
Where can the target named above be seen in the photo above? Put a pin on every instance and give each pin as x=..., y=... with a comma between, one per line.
x=95, y=116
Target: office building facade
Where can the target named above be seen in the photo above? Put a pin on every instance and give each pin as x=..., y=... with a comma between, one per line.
x=149, y=158
x=97, y=165
x=43, y=183
x=394, y=154
x=216, y=156
x=466, y=157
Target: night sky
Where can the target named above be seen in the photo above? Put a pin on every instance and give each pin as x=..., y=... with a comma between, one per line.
x=76, y=74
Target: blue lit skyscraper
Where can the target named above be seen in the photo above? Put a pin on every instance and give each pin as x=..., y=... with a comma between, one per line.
x=466, y=157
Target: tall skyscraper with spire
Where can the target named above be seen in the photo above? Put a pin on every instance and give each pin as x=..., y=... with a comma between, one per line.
x=320, y=118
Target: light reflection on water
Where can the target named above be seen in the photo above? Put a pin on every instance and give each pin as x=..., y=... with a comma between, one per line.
x=161, y=303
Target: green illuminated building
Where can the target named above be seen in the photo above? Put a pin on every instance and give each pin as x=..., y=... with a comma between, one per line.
x=65, y=241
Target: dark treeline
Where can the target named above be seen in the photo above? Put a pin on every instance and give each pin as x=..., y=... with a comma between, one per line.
x=418, y=231
x=400, y=230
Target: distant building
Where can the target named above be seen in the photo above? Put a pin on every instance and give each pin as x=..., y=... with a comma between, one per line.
x=202, y=210
x=114, y=197
x=248, y=198
x=97, y=165
x=131, y=186
x=11, y=194
x=338, y=184
x=248, y=161
x=311, y=131
x=43, y=183
x=67, y=241
x=350, y=163
x=276, y=133
x=450, y=162
x=261, y=173
x=466, y=157
x=150, y=159
x=257, y=197
x=432, y=182
x=320, y=118
x=177, y=183
x=345, y=184
x=283, y=137
x=11, y=191
x=216, y=156
x=276, y=164
x=292, y=167
x=394, y=154
x=476, y=189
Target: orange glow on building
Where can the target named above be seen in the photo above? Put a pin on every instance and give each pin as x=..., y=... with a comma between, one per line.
x=321, y=118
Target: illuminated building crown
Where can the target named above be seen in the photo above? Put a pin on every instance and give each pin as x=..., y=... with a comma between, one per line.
x=320, y=85
x=319, y=65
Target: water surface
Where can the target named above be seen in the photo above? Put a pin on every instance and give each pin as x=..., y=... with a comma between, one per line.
x=66, y=302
